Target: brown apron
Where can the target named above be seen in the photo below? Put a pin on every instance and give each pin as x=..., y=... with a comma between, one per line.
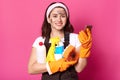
x=69, y=74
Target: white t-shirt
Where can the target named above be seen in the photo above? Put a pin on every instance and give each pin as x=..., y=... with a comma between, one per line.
x=41, y=50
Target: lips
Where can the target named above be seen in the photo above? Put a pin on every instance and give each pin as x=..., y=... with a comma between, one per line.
x=58, y=24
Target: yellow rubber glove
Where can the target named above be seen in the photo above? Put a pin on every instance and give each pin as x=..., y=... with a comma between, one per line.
x=54, y=66
x=66, y=64
x=50, y=55
x=70, y=54
x=59, y=65
x=69, y=59
x=86, y=40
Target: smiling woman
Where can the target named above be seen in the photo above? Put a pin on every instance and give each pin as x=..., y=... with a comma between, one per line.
x=59, y=52
x=20, y=22
x=57, y=18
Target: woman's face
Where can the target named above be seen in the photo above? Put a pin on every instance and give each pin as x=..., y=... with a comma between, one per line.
x=57, y=18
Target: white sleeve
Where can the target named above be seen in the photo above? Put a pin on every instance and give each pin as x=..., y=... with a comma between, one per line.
x=36, y=42
x=74, y=40
x=40, y=50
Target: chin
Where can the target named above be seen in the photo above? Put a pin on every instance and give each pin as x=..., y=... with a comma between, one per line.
x=60, y=28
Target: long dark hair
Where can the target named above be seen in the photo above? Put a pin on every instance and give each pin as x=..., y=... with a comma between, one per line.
x=46, y=27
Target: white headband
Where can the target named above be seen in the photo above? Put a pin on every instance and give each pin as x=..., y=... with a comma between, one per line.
x=55, y=5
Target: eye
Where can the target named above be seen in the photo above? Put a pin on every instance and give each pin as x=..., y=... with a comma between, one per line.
x=54, y=16
x=63, y=16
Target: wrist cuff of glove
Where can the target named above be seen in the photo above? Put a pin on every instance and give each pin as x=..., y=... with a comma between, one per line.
x=85, y=55
x=48, y=68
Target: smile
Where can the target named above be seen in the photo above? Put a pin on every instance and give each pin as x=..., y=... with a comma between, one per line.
x=58, y=24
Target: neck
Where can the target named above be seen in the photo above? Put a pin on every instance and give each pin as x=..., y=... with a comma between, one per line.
x=59, y=34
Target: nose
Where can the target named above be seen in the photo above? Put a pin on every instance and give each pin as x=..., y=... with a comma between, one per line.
x=59, y=18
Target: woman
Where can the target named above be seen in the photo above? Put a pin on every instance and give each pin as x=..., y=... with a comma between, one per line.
x=52, y=52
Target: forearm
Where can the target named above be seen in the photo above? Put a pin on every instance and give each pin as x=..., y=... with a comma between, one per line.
x=37, y=68
x=82, y=62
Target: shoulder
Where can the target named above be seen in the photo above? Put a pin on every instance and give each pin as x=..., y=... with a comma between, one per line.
x=74, y=40
x=38, y=40
x=73, y=35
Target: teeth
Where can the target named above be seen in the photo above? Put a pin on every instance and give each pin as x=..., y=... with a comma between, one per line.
x=58, y=23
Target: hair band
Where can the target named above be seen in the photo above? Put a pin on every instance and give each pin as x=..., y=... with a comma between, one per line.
x=56, y=5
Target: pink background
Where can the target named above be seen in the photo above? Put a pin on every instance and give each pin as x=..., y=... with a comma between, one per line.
x=20, y=23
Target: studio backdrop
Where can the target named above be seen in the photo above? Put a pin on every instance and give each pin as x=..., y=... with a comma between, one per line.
x=20, y=25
